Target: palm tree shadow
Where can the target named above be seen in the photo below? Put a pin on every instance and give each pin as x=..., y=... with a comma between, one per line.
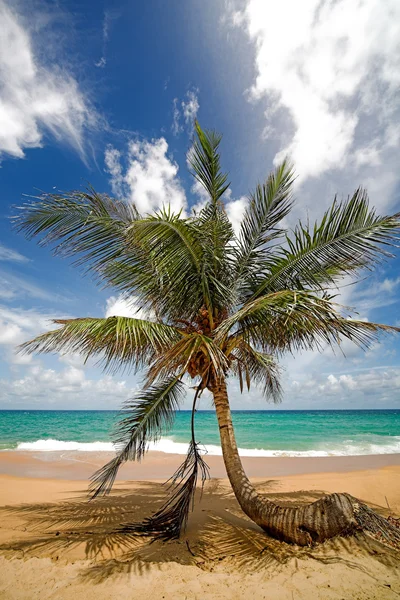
x=218, y=535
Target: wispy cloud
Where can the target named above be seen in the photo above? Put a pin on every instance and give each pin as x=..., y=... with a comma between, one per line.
x=12, y=286
x=36, y=98
x=185, y=112
x=8, y=254
x=108, y=17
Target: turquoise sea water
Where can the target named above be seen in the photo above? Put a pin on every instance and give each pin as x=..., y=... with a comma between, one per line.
x=259, y=433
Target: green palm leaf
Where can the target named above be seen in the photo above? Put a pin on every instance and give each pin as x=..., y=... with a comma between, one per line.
x=86, y=224
x=349, y=237
x=145, y=419
x=259, y=367
x=270, y=203
x=121, y=342
x=204, y=160
x=172, y=245
x=297, y=320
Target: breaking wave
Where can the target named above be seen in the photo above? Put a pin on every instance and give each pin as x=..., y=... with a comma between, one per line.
x=171, y=447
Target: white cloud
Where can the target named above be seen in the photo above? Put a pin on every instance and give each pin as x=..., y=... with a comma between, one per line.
x=234, y=208
x=150, y=179
x=108, y=17
x=34, y=97
x=330, y=74
x=119, y=306
x=235, y=211
x=186, y=112
x=68, y=388
x=39, y=386
x=379, y=384
x=8, y=254
x=190, y=107
x=101, y=63
x=176, y=126
x=18, y=325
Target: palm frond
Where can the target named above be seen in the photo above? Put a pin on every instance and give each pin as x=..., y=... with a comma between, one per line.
x=204, y=160
x=86, y=224
x=192, y=347
x=145, y=419
x=270, y=203
x=297, y=320
x=350, y=236
x=216, y=233
x=259, y=367
x=171, y=519
x=119, y=342
x=175, y=251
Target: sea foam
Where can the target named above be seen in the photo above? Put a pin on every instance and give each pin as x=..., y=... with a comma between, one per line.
x=169, y=446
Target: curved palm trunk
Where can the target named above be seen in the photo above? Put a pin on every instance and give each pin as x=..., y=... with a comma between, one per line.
x=304, y=525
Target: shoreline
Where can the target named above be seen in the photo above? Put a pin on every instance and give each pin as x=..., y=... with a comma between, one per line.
x=76, y=465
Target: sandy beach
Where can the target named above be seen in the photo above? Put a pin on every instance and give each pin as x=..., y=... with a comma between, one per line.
x=54, y=544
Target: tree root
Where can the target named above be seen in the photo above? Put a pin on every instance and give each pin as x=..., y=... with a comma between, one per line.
x=331, y=516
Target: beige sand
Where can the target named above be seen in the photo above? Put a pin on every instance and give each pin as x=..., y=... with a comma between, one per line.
x=55, y=545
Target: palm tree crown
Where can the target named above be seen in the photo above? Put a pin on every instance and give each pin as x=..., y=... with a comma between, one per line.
x=221, y=304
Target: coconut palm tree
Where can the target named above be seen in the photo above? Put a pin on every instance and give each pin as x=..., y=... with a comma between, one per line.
x=219, y=305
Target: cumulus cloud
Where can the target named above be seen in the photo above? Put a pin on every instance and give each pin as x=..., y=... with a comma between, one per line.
x=368, y=386
x=31, y=384
x=235, y=211
x=66, y=388
x=36, y=98
x=329, y=72
x=150, y=177
x=190, y=107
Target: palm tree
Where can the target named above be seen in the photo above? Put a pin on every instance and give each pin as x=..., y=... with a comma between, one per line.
x=219, y=305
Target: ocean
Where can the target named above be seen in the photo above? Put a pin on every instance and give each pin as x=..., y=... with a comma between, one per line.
x=259, y=433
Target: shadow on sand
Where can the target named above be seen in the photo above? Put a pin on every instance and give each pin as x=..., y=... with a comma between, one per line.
x=218, y=535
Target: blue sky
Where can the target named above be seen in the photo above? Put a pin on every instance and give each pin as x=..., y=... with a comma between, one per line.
x=106, y=93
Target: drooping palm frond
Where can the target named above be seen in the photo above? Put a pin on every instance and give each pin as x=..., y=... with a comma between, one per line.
x=119, y=342
x=297, y=320
x=145, y=419
x=204, y=160
x=250, y=365
x=350, y=236
x=87, y=225
x=270, y=203
x=171, y=519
